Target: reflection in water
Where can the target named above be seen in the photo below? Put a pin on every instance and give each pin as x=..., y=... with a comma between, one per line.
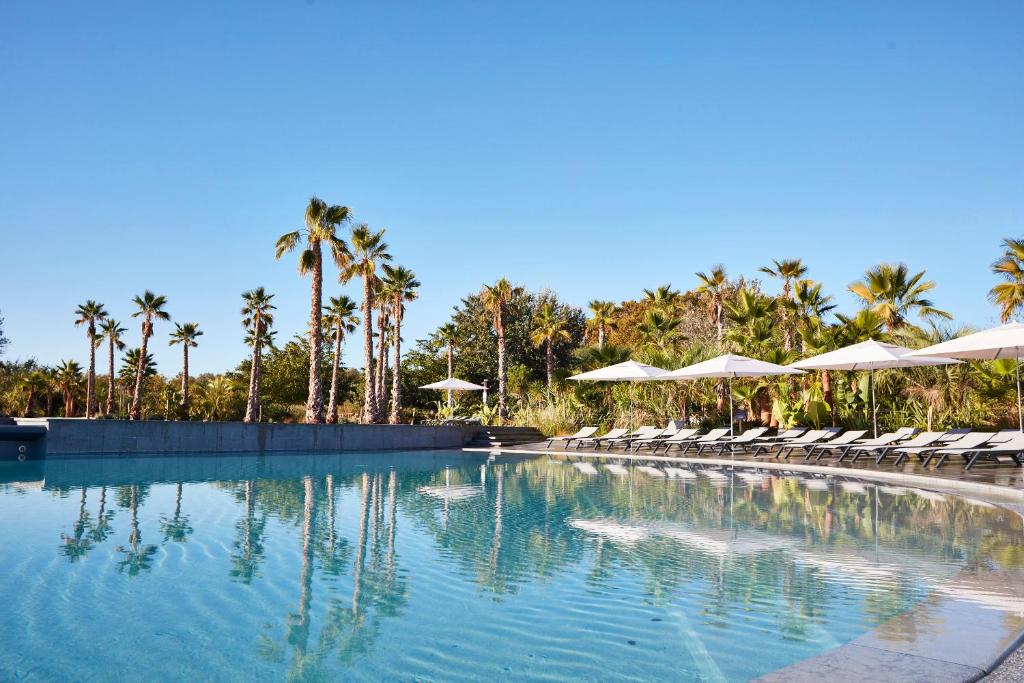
x=297, y=568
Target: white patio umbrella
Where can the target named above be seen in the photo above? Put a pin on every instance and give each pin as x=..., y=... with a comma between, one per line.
x=629, y=371
x=868, y=355
x=1005, y=341
x=452, y=384
x=729, y=366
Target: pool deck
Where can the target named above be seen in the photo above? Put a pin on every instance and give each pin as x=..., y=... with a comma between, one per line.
x=942, y=639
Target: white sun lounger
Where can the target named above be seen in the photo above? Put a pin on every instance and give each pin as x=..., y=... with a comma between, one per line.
x=581, y=434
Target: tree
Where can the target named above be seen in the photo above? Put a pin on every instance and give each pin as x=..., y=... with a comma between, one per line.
x=151, y=307
x=369, y=250
x=33, y=383
x=130, y=364
x=787, y=270
x=89, y=314
x=257, y=319
x=659, y=329
x=4, y=341
x=111, y=332
x=661, y=298
x=602, y=318
x=1009, y=294
x=400, y=285
x=495, y=299
x=712, y=288
x=69, y=379
x=549, y=327
x=448, y=335
x=185, y=334
x=890, y=291
x=322, y=220
x=341, y=319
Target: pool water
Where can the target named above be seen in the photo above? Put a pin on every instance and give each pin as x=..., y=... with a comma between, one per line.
x=449, y=566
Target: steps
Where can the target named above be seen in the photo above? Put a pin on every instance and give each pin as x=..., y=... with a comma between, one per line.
x=497, y=437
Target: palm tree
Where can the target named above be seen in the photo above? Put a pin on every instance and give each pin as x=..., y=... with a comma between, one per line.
x=400, y=285
x=713, y=287
x=890, y=291
x=341, y=318
x=549, y=328
x=603, y=318
x=383, y=301
x=448, y=334
x=810, y=302
x=787, y=270
x=659, y=329
x=89, y=314
x=322, y=220
x=218, y=393
x=151, y=306
x=257, y=319
x=1009, y=295
x=33, y=383
x=496, y=298
x=111, y=332
x=185, y=334
x=69, y=378
x=662, y=297
x=369, y=250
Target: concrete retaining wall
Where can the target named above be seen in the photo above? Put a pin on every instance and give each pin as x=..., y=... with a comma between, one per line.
x=71, y=437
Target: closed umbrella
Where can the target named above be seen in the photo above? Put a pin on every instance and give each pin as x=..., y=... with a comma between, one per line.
x=868, y=355
x=729, y=366
x=629, y=371
x=452, y=384
x=1005, y=341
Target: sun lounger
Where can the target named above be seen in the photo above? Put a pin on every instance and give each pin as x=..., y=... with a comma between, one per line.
x=655, y=441
x=660, y=434
x=595, y=441
x=711, y=437
x=581, y=434
x=879, y=451
x=683, y=436
x=889, y=438
x=1008, y=444
x=626, y=439
x=731, y=444
x=782, y=436
x=812, y=436
x=968, y=441
x=841, y=440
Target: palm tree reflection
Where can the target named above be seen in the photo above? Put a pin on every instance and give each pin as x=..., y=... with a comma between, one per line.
x=75, y=546
x=136, y=555
x=177, y=527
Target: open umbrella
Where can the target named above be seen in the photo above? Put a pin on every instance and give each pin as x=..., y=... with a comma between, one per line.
x=452, y=384
x=729, y=366
x=629, y=371
x=868, y=355
x=1005, y=341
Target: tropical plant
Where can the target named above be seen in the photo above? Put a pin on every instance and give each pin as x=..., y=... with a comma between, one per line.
x=400, y=285
x=150, y=307
x=890, y=291
x=33, y=383
x=187, y=335
x=257, y=319
x=1009, y=294
x=659, y=329
x=89, y=314
x=787, y=270
x=218, y=394
x=69, y=380
x=662, y=297
x=712, y=289
x=111, y=332
x=322, y=220
x=548, y=328
x=131, y=361
x=495, y=299
x=369, y=251
x=341, y=320
x=602, y=318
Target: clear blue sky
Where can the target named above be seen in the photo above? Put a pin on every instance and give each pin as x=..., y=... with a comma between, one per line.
x=594, y=148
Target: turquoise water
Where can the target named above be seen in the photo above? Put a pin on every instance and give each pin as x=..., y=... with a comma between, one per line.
x=445, y=566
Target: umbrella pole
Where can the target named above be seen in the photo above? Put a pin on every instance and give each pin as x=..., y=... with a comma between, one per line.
x=630, y=407
x=874, y=410
x=1020, y=414
x=730, y=406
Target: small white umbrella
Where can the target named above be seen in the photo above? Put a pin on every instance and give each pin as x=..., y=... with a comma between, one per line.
x=452, y=384
x=1005, y=341
x=868, y=355
x=729, y=366
x=629, y=371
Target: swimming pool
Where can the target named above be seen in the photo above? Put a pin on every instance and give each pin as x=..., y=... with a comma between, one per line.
x=449, y=566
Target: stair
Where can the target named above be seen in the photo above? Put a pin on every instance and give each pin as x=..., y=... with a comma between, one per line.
x=498, y=437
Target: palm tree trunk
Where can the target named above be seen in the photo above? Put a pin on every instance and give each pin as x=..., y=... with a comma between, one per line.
x=382, y=363
x=396, y=370
x=90, y=380
x=600, y=336
x=787, y=333
x=550, y=359
x=110, y=379
x=451, y=365
x=184, y=380
x=369, y=386
x=315, y=400
x=135, y=412
x=28, y=403
x=502, y=407
x=252, y=403
x=826, y=393
x=332, y=401
x=719, y=322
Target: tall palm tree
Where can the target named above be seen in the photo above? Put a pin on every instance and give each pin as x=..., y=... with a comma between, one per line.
x=712, y=288
x=602, y=318
x=890, y=291
x=33, y=383
x=369, y=251
x=661, y=297
x=257, y=318
x=1009, y=294
x=400, y=285
x=89, y=314
x=496, y=298
x=383, y=345
x=69, y=379
x=322, y=220
x=448, y=334
x=341, y=319
x=185, y=334
x=111, y=332
x=787, y=270
x=151, y=307
x=549, y=328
